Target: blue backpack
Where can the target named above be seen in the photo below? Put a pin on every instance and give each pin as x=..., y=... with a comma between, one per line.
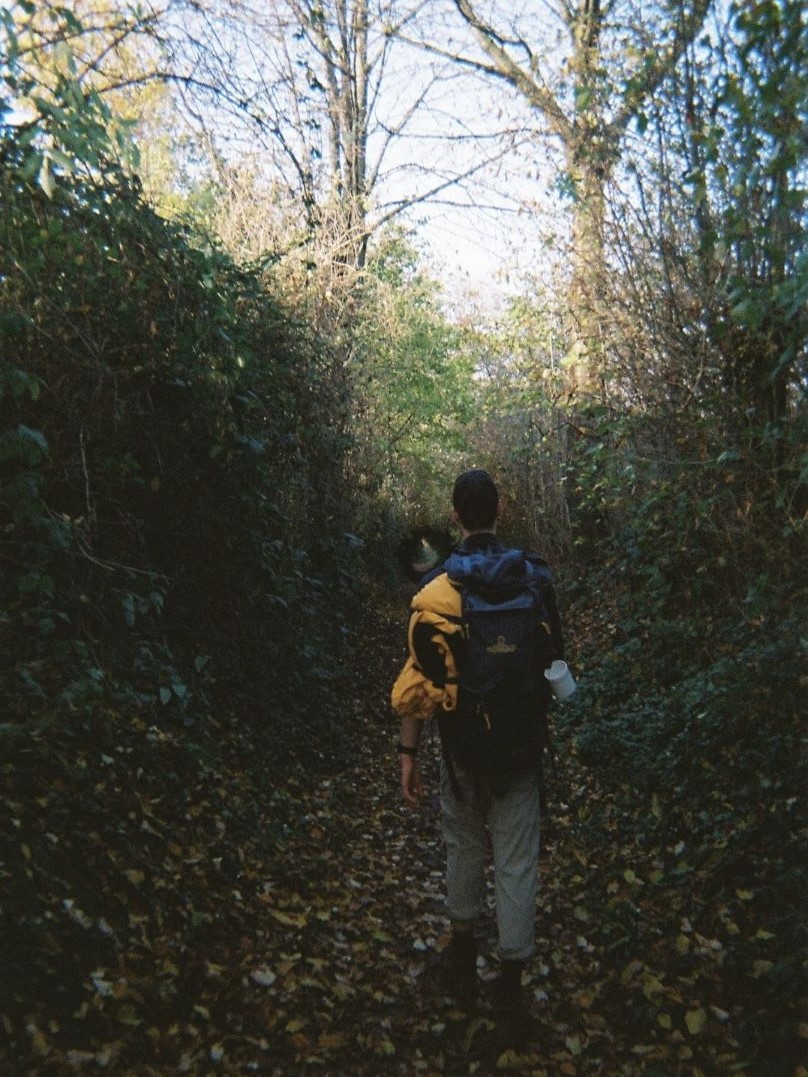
x=499, y=729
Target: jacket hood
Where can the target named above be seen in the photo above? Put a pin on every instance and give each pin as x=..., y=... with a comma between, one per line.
x=499, y=570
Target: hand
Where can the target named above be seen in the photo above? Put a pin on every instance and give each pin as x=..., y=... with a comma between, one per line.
x=412, y=785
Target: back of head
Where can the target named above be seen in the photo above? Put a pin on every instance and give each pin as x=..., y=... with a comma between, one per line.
x=476, y=500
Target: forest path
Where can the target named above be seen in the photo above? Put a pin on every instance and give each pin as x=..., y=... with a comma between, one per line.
x=621, y=983
x=179, y=914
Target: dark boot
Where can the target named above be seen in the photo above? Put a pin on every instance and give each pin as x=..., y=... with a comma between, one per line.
x=459, y=967
x=514, y=1019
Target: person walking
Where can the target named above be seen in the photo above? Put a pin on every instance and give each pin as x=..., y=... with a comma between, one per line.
x=492, y=728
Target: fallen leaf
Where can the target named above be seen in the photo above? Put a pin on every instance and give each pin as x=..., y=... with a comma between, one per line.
x=695, y=1021
x=263, y=977
x=574, y=1045
x=128, y=1015
x=288, y=919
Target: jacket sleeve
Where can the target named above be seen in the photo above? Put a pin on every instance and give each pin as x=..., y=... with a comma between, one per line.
x=428, y=680
x=413, y=695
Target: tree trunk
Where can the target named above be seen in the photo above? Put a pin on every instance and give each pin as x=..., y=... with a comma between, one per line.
x=590, y=131
x=586, y=280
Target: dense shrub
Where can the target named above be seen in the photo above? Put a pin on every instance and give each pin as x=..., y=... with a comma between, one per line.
x=167, y=471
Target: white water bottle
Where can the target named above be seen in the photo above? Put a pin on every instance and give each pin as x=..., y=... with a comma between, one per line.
x=561, y=680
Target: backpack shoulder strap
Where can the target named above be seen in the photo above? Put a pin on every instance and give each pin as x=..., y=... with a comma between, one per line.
x=543, y=578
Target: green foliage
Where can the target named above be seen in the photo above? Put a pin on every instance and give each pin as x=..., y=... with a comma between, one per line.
x=521, y=420
x=412, y=390
x=747, y=154
x=175, y=526
x=687, y=502
x=66, y=128
x=689, y=585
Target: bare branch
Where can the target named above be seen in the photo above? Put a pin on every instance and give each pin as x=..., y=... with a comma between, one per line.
x=504, y=66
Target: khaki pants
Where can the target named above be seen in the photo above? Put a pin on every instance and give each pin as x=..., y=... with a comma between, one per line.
x=512, y=820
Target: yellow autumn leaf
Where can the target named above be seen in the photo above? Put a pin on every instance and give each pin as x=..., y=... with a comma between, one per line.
x=39, y=1045
x=128, y=1015
x=682, y=944
x=631, y=970
x=584, y=999
x=288, y=964
x=574, y=1045
x=480, y=1024
x=329, y=1041
x=651, y=987
x=288, y=919
x=509, y=1060
x=695, y=1021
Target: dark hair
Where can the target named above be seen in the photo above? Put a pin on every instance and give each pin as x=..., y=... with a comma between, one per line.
x=476, y=500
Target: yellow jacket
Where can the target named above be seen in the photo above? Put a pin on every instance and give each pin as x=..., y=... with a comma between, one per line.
x=428, y=681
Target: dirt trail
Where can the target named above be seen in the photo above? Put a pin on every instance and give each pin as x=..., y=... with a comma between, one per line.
x=219, y=928
x=370, y=880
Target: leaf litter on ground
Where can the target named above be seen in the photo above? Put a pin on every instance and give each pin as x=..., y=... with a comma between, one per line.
x=164, y=915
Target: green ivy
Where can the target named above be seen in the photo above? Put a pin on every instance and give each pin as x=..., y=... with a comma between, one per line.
x=177, y=531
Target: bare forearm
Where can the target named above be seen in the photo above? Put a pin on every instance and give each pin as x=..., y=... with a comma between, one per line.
x=412, y=785
x=410, y=731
